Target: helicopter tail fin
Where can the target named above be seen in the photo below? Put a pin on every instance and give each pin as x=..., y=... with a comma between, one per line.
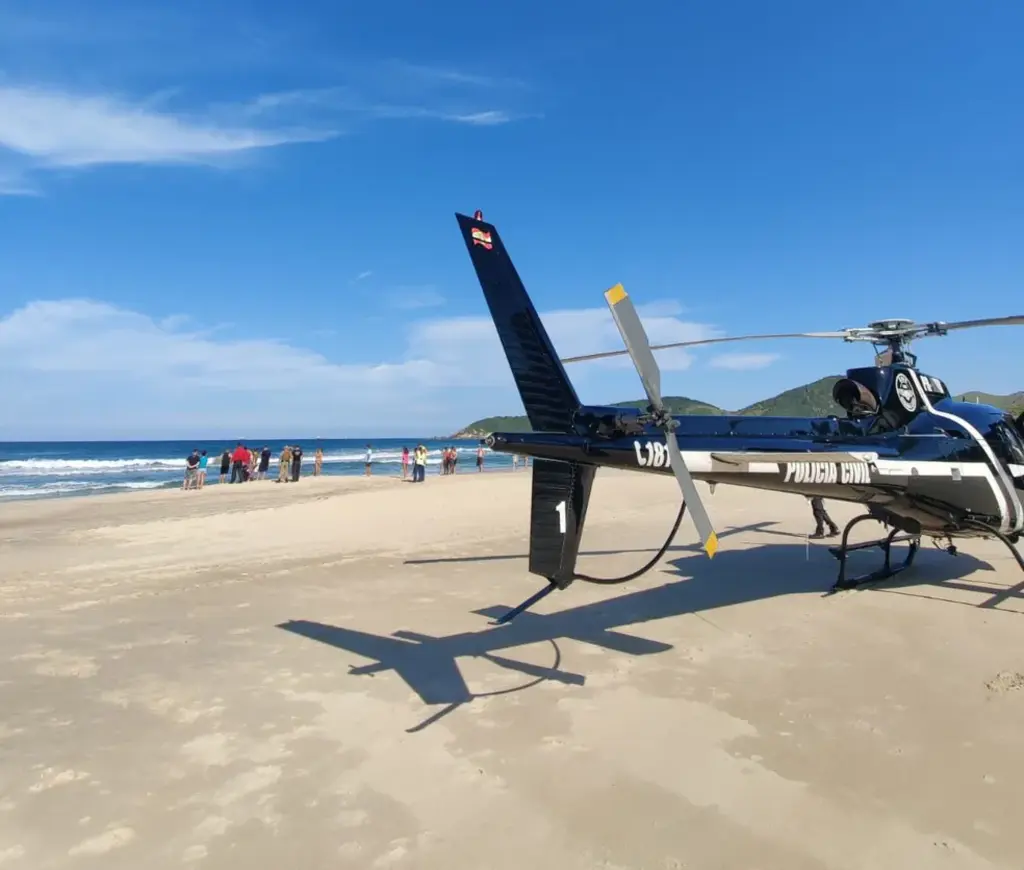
x=558, y=509
x=561, y=490
x=547, y=394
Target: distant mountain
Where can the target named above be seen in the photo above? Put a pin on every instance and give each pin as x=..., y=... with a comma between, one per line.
x=1014, y=403
x=810, y=400
x=675, y=404
x=480, y=428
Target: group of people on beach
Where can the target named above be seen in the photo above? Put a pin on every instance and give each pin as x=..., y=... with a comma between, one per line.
x=414, y=463
x=245, y=464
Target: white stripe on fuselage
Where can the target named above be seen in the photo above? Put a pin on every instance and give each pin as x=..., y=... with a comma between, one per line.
x=702, y=462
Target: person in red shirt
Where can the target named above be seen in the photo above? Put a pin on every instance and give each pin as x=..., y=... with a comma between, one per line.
x=239, y=459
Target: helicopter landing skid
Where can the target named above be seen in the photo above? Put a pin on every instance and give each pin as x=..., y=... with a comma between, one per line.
x=884, y=544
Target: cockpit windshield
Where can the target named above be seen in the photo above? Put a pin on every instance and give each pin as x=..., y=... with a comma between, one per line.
x=1007, y=443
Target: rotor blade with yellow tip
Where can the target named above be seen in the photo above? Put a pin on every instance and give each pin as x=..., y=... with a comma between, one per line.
x=635, y=338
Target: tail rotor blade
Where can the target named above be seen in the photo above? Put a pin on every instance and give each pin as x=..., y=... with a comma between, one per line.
x=635, y=338
x=639, y=349
x=708, y=536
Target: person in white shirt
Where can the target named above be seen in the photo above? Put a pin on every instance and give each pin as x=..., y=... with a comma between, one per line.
x=369, y=460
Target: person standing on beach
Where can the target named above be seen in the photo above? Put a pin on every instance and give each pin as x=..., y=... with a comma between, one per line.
x=225, y=464
x=284, y=464
x=419, y=467
x=264, y=463
x=296, y=462
x=480, y=457
x=204, y=460
x=405, y=463
x=191, y=470
x=368, y=460
x=238, y=461
x=318, y=461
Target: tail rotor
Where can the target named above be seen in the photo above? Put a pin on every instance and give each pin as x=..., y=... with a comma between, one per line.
x=639, y=349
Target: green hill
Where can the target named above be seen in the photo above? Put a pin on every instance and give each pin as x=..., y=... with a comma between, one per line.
x=1014, y=403
x=674, y=404
x=480, y=428
x=810, y=400
x=678, y=405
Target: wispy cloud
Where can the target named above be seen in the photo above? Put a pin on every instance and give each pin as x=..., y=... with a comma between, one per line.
x=48, y=129
x=412, y=298
x=362, y=276
x=14, y=183
x=448, y=76
x=743, y=361
x=352, y=103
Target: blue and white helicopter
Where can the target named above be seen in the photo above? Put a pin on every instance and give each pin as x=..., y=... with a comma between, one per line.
x=919, y=461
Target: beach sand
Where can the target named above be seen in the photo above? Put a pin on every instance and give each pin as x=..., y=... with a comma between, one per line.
x=182, y=687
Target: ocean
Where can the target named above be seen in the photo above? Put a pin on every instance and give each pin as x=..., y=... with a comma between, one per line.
x=51, y=469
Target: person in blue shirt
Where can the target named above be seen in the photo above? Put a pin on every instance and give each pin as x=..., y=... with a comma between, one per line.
x=204, y=460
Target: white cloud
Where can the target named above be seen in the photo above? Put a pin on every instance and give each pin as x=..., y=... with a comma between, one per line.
x=743, y=361
x=76, y=368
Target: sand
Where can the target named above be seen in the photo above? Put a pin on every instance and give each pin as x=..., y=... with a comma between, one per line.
x=303, y=676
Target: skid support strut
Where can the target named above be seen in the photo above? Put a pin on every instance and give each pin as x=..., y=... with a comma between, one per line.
x=885, y=544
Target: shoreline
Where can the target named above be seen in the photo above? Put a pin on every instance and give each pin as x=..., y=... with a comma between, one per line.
x=39, y=471
x=325, y=484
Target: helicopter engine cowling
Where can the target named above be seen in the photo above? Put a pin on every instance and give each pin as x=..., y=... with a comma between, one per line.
x=855, y=398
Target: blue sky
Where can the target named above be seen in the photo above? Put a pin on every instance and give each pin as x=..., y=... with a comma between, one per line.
x=233, y=217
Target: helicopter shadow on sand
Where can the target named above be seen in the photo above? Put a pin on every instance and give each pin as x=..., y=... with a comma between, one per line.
x=763, y=526
x=429, y=665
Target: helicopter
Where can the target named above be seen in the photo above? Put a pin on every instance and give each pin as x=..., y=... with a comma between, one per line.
x=921, y=463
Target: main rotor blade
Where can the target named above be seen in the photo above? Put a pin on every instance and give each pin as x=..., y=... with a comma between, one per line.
x=635, y=338
x=702, y=341
x=1016, y=320
x=701, y=520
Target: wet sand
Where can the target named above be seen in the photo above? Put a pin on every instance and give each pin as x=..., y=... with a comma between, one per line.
x=272, y=676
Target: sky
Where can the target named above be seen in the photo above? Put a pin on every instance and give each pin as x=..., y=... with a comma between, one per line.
x=236, y=219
